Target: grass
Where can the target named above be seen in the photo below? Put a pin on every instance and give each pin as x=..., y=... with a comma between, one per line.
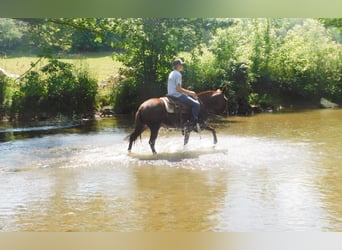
x=99, y=64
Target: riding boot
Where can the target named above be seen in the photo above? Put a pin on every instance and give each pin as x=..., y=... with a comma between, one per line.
x=197, y=128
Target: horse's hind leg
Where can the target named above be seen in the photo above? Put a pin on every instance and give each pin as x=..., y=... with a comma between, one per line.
x=132, y=138
x=139, y=128
x=134, y=135
x=154, y=134
x=213, y=131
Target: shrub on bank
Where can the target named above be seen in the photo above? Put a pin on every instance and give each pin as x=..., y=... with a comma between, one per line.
x=5, y=98
x=56, y=89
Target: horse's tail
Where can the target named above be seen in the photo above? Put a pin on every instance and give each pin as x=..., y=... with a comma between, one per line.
x=139, y=128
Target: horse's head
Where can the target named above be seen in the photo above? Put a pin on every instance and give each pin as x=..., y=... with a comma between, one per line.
x=215, y=101
x=219, y=101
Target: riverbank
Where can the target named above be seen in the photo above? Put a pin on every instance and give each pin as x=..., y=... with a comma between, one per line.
x=105, y=113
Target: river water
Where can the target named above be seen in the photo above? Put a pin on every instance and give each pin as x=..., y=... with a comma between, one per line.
x=269, y=172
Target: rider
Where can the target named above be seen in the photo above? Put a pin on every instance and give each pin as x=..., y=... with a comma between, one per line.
x=174, y=88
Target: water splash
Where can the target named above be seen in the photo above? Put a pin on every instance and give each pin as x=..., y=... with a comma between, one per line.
x=107, y=149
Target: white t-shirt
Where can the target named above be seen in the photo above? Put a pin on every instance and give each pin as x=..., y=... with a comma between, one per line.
x=175, y=78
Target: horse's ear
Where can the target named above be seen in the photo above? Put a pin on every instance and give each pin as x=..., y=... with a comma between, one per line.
x=224, y=88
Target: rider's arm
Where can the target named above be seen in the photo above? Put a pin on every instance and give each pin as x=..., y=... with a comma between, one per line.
x=185, y=91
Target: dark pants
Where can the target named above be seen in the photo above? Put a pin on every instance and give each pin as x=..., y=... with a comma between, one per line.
x=193, y=103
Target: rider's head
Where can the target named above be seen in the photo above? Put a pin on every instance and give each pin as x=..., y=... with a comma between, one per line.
x=178, y=64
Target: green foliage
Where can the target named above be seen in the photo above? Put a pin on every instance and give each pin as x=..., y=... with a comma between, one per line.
x=333, y=22
x=2, y=92
x=13, y=34
x=125, y=96
x=32, y=92
x=57, y=88
x=53, y=35
x=87, y=41
x=225, y=63
x=261, y=60
x=4, y=95
x=264, y=60
x=200, y=72
x=257, y=100
x=308, y=63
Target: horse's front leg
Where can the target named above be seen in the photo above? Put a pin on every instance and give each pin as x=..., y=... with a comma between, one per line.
x=213, y=131
x=187, y=132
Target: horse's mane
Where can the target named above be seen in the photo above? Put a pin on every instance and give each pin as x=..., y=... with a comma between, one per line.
x=205, y=96
x=207, y=92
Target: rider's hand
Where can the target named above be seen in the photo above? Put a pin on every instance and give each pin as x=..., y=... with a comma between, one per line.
x=194, y=95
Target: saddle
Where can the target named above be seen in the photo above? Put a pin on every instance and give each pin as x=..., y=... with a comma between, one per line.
x=174, y=106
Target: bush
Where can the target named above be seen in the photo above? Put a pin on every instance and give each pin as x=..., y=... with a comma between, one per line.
x=200, y=72
x=308, y=63
x=128, y=93
x=57, y=88
x=205, y=72
x=4, y=95
x=125, y=97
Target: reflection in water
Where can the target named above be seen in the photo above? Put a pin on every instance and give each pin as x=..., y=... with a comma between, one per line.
x=268, y=173
x=178, y=200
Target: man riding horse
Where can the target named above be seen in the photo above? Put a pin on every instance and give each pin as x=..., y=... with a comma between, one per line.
x=175, y=89
x=156, y=112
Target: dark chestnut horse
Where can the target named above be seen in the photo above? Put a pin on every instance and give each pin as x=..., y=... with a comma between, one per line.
x=153, y=114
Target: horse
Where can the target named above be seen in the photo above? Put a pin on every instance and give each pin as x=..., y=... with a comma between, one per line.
x=153, y=113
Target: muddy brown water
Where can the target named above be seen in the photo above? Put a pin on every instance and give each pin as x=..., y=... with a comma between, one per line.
x=269, y=172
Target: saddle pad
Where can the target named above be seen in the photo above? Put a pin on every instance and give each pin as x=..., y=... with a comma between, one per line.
x=169, y=108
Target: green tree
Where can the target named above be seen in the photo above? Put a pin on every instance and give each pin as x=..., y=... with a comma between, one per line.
x=11, y=34
x=288, y=59
x=333, y=22
x=308, y=64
